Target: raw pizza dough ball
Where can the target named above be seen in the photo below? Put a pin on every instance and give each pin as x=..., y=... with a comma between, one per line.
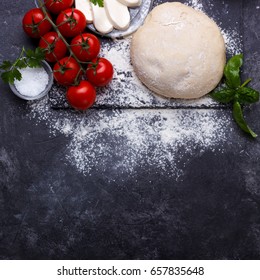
x=178, y=52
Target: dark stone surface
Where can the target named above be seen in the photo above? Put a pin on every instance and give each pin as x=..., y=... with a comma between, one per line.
x=50, y=211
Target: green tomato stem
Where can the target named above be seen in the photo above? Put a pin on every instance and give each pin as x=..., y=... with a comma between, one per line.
x=42, y=6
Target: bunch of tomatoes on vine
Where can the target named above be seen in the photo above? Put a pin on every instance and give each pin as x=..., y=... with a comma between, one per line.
x=73, y=52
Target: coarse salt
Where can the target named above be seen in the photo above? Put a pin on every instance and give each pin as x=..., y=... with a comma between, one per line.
x=33, y=82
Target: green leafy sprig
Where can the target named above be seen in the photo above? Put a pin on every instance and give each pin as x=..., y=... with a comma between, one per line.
x=28, y=58
x=237, y=93
x=100, y=3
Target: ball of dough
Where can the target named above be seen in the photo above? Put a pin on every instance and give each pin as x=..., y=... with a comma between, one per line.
x=178, y=52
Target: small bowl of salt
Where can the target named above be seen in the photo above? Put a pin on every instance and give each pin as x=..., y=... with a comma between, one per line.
x=35, y=82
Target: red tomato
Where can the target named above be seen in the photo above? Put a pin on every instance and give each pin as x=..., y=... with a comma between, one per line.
x=85, y=46
x=66, y=71
x=100, y=73
x=56, y=6
x=81, y=97
x=55, y=48
x=34, y=23
x=71, y=22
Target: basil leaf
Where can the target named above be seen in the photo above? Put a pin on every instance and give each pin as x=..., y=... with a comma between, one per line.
x=239, y=118
x=247, y=95
x=225, y=95
x=232, y=71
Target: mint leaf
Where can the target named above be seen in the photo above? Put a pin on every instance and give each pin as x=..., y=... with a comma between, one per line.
x=232, y=71
x=239, y=118
x=246, y=95
x=225, y=95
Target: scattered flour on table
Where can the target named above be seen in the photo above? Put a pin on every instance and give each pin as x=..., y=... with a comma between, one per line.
x=121, y=142
x=233, y=41
x=196, y=4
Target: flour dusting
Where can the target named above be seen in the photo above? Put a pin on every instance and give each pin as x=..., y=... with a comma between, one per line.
x=196, y=4
x=233, y=41
x=133, y=139
x=149, y=134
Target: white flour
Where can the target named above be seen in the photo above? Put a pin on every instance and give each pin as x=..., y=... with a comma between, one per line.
x=121, y=142
x=233, y=41
x=196, y=4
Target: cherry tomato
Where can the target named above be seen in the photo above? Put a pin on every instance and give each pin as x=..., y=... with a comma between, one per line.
x=100, y=73
x=34, y=23
x=56, y=6
x=85, y=46
x=81, y=97
x=71, y=22
x=55, y=48
x=66, y=71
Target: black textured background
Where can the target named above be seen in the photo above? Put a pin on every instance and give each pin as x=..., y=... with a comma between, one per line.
x=212, y=213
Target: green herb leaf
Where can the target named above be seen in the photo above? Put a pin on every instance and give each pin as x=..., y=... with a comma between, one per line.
x=34, y=58
x=246, y=95
x=11, y=75
x=232, y=71
x=17, y=74
x=225, y=95
x=29, y=53
x=237, y=93
x=7, y=77
x=21, y=63
x=100, y=3
x=33, y=63
x=6, y=65
x=27, y=58
x=239, y=118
